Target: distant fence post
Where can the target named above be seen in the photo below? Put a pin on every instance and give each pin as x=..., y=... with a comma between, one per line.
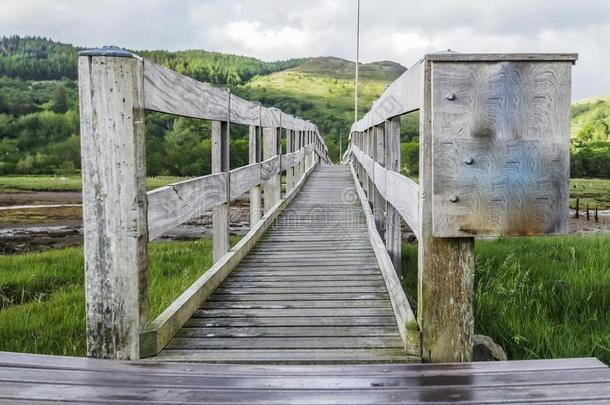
x=220, y=164
x=393, y=237
x=271, y=187
x=379, y=205
x=114, y=201
x=255, y=157
x=290, y=170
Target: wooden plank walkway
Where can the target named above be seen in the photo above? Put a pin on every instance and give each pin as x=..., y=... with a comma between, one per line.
x=26, y=378
x=309, y=292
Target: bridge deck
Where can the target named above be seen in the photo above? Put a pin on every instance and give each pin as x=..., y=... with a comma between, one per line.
x=310, y=291
x=26, y=378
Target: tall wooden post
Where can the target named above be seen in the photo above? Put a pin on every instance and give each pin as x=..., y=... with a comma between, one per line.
x=445, y=265
x=290, y=170
x=254, y=157
x=114, y=201
x=271, y=187
x=393, y=239
x=220, y=164
x=379, y=203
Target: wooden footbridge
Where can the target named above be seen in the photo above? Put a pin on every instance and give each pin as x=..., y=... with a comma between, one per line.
x=308, y=307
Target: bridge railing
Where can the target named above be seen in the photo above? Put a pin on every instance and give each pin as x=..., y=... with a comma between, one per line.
x=120, y=217
x=494, y=136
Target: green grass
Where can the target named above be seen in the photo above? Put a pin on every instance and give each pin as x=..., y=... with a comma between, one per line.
x=595, y=192
x=540, y=297
x=42, y=303
x=61, y=183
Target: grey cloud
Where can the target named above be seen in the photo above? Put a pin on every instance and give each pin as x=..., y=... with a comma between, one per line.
x=273, y=29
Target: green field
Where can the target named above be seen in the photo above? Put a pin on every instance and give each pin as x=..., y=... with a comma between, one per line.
x=541, y=297
x=42, y=303
x=595, y=192
x=64, y=183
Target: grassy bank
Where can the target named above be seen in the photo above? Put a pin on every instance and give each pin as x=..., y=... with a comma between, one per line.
x=42, y=304
x=540, y=297
x=63, y=183
x=595, y=192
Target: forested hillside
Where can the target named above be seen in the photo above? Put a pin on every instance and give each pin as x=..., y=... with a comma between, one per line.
x=39, y=124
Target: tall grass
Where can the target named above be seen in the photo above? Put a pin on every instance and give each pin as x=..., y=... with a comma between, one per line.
x=540, y=297
x=42, y=303
x=64, y=183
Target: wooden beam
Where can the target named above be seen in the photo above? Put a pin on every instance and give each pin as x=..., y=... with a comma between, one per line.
x=254, y=155
x=220, y=164
x=445, y=265
x=393, y=237
x=114, y=202
x=379, y=204
x=289, y=150
x=271, y=187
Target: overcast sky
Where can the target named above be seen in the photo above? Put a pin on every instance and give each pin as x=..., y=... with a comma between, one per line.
x=398, y=30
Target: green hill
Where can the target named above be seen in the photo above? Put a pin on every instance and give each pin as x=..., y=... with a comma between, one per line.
x=591, y=137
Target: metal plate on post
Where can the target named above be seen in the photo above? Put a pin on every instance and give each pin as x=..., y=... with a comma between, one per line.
x=501, y=135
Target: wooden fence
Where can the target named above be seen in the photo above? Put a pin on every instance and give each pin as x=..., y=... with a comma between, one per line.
x=120, y=217
x=493, y=161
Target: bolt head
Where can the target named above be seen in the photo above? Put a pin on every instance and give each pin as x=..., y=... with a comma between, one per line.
x=453, y=198
x=450, y=96
x=468, y=160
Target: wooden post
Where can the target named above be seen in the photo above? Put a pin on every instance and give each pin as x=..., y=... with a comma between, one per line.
x=254, y=157
x=114, y=201
x=370, y=151
x=271, y=187
x=220, y=164
x=393, y=237
x=290, y=170
x=445, y=265
x=379, y=203
x=577, y=208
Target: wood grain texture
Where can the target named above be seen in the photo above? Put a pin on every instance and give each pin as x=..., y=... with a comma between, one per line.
x=245, y=178
x=445, y=265
x=501, y=57
x=501, y=148
x=393, y=237
x=270, y=167
x=254, y=157
x=220, y=164
x=172, y=205
x=114, y=204
x=399, y=191
x=27, y=378
x=402, y=96
x=170, y=92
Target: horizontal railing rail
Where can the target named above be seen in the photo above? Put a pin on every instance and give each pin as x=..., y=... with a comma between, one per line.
x=493, y=161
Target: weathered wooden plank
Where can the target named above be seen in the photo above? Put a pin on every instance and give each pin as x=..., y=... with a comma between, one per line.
x=501, y=57
x=283, y=312
x=322, y=356
x=400, y=97
x=299, y=290
x=270, y=168
x=170, y=92
x=500, y=148
x=393, y=237
x=294, y=303
x=285, y=321
x=301, y=297
x=254, y=157
x=244, y=178
x=172, y=205
x=114, y=203
x=220, y=164
x=191, y=330
x=318, y=342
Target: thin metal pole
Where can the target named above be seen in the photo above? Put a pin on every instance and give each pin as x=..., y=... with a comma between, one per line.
x=357, y=62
